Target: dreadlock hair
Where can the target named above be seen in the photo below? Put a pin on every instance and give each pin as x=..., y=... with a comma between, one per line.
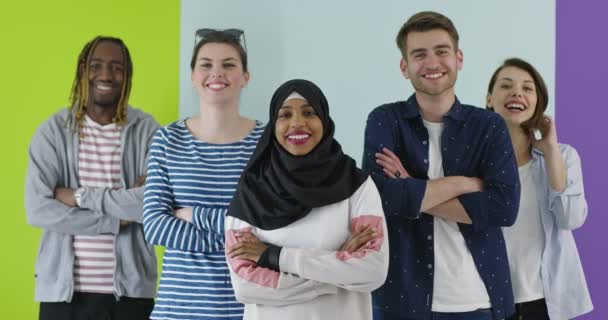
x=79, y=96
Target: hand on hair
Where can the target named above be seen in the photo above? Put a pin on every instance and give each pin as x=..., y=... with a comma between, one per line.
x=391, y=164
x=248, y=247
x=548, y=140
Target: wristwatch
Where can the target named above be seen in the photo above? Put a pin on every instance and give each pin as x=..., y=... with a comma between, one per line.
x=78, y=195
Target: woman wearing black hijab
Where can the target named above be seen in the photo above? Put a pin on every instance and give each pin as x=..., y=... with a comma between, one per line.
x=305, y=230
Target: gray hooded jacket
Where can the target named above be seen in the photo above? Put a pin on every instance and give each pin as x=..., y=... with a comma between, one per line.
x=53, y=163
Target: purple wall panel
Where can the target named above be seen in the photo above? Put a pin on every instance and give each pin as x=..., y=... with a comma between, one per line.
x=581, y=112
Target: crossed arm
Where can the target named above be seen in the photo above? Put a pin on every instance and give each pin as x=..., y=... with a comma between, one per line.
x=67, y=196
x=360, y=264
x=440, y=196
x=489, y=199
x=196, y=229
x=54, y=209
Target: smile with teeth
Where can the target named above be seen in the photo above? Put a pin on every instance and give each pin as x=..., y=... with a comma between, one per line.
x=299, y=138
x=216, y=86
x=516, y=106
x=433, y=75
x=103, y=87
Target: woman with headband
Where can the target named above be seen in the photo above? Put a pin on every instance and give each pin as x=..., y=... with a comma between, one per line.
x=305, y=230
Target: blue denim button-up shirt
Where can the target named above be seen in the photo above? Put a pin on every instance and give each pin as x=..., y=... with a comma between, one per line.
x=474, y=143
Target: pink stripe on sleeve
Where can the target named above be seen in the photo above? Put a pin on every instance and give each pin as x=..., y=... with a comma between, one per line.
x=247, y=269
x=374, y=244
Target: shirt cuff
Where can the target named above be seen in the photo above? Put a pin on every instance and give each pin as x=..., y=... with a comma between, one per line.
x=411, y=197
x=109, y=224
x=270, y=258
x=473, y=203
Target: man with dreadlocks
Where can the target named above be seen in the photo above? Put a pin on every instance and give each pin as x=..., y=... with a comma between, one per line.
x=84, y=189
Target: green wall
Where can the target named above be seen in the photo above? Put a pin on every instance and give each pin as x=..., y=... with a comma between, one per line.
x=40, y=41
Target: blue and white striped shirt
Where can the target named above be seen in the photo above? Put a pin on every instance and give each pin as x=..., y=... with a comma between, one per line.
x=186, y=172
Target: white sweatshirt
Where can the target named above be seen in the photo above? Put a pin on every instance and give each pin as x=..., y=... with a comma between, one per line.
x=316, y=280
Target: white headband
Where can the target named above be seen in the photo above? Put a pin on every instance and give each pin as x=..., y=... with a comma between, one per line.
x=294, y=95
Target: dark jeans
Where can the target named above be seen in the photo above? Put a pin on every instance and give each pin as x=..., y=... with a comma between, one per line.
x=531, y=310
x=97, y=306
x=480, y=314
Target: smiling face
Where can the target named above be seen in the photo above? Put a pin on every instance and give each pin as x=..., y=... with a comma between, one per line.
x=218, y=74
x=513, y=96
x=431, y=62
x=298, y=128
x=106, y=75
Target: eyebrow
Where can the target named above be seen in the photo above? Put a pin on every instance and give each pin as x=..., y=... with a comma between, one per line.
x=442, y=46
x=209, y=59
x=415, y=51
x=439, y=46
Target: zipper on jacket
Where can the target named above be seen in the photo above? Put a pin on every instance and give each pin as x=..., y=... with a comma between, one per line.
x=72, y=283
x=116, y=293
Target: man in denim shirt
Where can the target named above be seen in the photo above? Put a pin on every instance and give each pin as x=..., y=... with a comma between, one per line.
x=448, y=179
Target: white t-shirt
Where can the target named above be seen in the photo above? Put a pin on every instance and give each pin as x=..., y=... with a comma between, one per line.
x=457, y=286
x=525, y=242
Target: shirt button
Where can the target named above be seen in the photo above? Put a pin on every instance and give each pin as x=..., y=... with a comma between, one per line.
x=430, y=266
x=426, y=160
x=430, y=237
x=424, y=142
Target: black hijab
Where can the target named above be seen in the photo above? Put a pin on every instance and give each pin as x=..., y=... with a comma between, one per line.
x=278, y=188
